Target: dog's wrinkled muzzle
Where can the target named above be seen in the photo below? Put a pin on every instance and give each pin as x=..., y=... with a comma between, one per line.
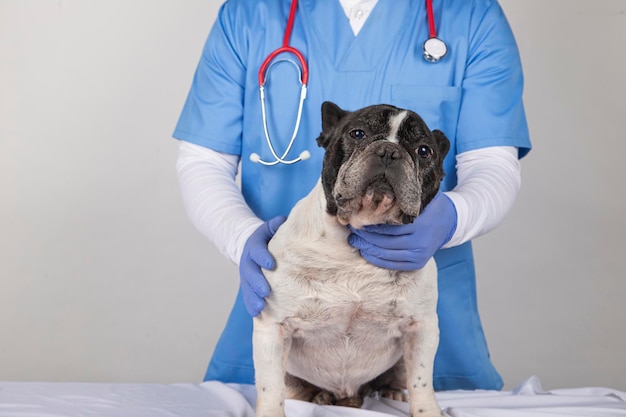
x=378, y=185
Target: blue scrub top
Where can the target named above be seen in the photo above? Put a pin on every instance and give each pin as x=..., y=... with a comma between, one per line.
x=474, y=95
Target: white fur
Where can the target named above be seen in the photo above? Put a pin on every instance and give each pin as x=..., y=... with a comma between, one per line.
x=337, y=321
x=395, y=123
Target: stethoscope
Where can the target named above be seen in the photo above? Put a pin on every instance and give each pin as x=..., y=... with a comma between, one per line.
x=434, y=49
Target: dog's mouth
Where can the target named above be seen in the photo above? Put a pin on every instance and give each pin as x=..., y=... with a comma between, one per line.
x=377, y=203
x=379, y=185
x=379, y=196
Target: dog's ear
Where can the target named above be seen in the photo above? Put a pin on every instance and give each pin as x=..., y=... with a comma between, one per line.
x=331, y=114
x=333, y=157
x=443, y=145
x=442, y=142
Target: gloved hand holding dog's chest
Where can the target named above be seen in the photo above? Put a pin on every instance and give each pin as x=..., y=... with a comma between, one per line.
x=408, y=247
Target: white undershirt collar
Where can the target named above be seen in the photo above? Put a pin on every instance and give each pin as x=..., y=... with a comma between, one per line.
x=357, y=12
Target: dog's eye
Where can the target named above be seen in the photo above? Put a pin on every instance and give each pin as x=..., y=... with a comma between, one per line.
x=357, y=134
x=424, y=151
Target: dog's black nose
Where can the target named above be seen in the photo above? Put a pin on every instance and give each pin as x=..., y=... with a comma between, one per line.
x=388, y=153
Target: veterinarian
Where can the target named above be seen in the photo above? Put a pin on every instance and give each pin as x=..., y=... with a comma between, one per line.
x=355, y=53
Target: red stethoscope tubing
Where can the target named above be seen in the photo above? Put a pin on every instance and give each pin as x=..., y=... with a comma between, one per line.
x=432, y=30
x=285, y=48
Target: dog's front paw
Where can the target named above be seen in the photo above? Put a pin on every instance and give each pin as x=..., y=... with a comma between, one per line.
x=434, y=413
x=275, y=412
x=424, y=411
x=266, y=407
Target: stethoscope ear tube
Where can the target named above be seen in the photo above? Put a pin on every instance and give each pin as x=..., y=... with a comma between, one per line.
x=254, y=157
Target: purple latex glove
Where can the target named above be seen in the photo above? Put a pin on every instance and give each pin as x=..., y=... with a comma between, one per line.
x=255, y=256
x=408, y=247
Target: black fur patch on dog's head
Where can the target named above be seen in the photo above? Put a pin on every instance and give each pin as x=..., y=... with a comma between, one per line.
x=345, y=133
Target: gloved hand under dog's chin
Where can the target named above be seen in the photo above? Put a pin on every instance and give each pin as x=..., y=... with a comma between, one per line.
x=255, y=256
x=408, y=247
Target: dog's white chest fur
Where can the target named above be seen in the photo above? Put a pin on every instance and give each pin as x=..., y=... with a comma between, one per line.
x=344, y=319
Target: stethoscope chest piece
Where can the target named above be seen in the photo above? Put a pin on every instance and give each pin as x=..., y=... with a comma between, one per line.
x=434, y=49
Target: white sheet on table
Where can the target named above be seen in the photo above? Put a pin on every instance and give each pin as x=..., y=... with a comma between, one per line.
x=212, y=399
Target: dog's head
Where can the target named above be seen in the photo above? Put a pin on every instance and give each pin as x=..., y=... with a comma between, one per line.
x=382, y=164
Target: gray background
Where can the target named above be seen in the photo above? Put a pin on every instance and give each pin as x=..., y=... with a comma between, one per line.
x=102, y=277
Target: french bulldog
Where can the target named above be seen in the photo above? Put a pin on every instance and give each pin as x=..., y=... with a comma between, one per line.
x=336, y=328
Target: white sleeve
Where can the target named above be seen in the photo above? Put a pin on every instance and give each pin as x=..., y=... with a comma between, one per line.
x=213, y=200
x=488, y=181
